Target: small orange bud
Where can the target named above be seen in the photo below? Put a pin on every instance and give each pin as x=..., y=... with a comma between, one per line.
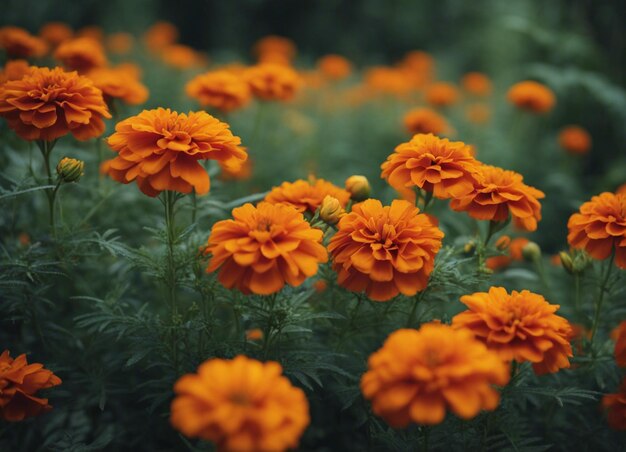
x=254, y=334
x=359, y=187
x=70, y=170
x=331, y=210
x=503, y=242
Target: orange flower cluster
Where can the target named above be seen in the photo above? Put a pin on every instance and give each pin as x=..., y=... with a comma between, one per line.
x=47, y=104
x=19, y=43
x=119, y=83
x=388, y=81
x=520, y=326
x=615, y=404
x=222, y=89
x=160, y=149
x=498, y=193
x=442, y=94
x=273, y=82
x=600, y=227
x=417, y=375
x=425, y=120
x=19, y=383
x=386, y=250
x=575, y=140
x=476, y=83
x=263, y=248
x=306, y=195
x=54, y=33
x=81, y=54
x=240, y=405
x=531, y=96
x=619, y=334
x=335, y=67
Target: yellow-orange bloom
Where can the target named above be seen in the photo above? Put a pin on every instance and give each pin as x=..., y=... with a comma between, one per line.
x=418, y=67
x=240, y=405
x=270, y=46
x=19, y=43
x=225, y=90
x=417, y=375
x=244, y=172
x=615, y=405
x=531, y=96
x=161, y=149
x=14, y=70
x=600, y=227
x=442, y=94
x=120, y=43
x=335, y=67
x=575, y=140
x=388, y=80
x=386, y=250
x=621, y=190
x=619, y=335
x=436, y=165
x=476, y=83
x=306, y=195
x=47, y=104
x=81, y=54
x=273, y=81
x=263, y=248
x=54, y=33
x=498, y=193
x=119, y=83
x=425, y=120
x=182, y=57
x=520, y=326
x=19, y=383
x=160, y=35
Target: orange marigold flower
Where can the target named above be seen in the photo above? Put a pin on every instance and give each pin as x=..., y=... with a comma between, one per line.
x=520, y=326
x=476, y=83
x=120, y=43
x=621, y=190
x=575, y=140
x=516, y=247
x=388, y=80
x=94, y=32
x=19, y=43
x=425, y=120
x=306, y=195
x=273, y=81
x=182, y=57
x=244, y=172
x=418, y=67
x=619, y=335
x=160, y=35
x=498, y=193
x=442, y=94
x=386, y=250
x=615, y=405
x=19, y=383
x=14, y=70
x=81, y=54
x=47, y=104
x=263, y=248
x=274, y=45
x=223, y=89
x=240, y=404
x=417, y=375
x=478, y=113
x=320, y=285
x=600, y=227
x=497, y=262
x=335, y=67
x=54, y=33
x=160, y=149
x=433, y=164
x=119, y=83
x=531, y=96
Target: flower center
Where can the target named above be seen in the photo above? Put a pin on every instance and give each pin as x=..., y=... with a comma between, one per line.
x=240, y=399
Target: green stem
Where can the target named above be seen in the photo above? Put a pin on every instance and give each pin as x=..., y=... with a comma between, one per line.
x=169, y=201
x=425, y=438
x=46, y=150
x=418, y=298
x=605, y=280
x=269, y=327
x=494, y=226
x=577, y=302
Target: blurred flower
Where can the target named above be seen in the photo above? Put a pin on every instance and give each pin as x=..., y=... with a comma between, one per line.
x=497, y=262
x=478, y=113
x=182, y=57
x=388, y=81
x=417, y=375
x=19, y=43
x=425, y=120
x=160, y=35
x=263, y=248
x=575, y=140
x=615, y=405
x=222, y=89
x=498, y=193
x=600, y=227
x=359, y=187
x=521, y=326
x=70, y=170
x=621, y=190
x=335, y=67
x=531, y=96
x=531, y=252
x=47, y=104
x=476, y=83
x=94, y=32
x=306, y=195
x=240, y=405
x=442, y=94
x=516, y=248
x=273, y=48
x=14, y=70
x=273, y=81
x=619, y=336
x=120, y=43
x=503, y=242
x=244, y=172
x=23, y=239
x=513, y=252
x=436, y=165
x=81, y=54
x=418, y=67
x=255, y=334
x=320, y=285
x=161, y=149
x=331, y=210
x=19, y=383
x=119, y=83
x=384, y=250
x=54, y=33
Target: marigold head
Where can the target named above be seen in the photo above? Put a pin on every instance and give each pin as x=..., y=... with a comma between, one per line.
x=160, y=149
x=119, y=83
x=433, y=164
x=47, y=104
x=386, y=250
x=418, y=67
x=615, y=406
x=19, y=383
x=70, y=170
x=306, y=195
x=81, y=54
x=19, y=43
x=425, y=120
x=240, y=404
x=335, y=67
x=575, y=140
x=274, y=46
x=600, y=227
x=273, y=81
x=442, y=94
x=520, y=326
x=223, y=89
x=531, y=96
x=417, y=375
x=476, y=83
x=160, y=35
x=54, y=33
x=120, y=43
x=263, y=248
x=619, y=335
x=389, y=81
x=182, y=57
x=15, y=70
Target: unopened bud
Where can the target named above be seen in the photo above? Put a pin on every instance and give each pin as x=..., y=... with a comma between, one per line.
x=531, y=252
x=581, y=261
x=503, y=242
x=70, y=170
x=566, y=262
x=469, y=247
x=359, y=187
x=331, y=210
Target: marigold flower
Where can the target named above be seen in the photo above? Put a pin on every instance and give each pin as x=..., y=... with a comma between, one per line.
x=386, y=250
x=514, y=252
x=19, y=383
x=306, y=195
x=621, y=190
x=417, y=375
x=54, y=33
x=244, y=172
x=531, y=96
x=615, y=405
x=14, y=70
x=478, y=113
x=433, y=164
x=600, y=227
x=119, y=83
x=94, y=32
x=255, y=334
x=273, y=81
x=182, y=57
x=442, y=94
x=498, y=193
x=516, y=248
x=619, y=335
x=331, y=210
x=388, y=80
x=359, y=187
x=476, y=83
x=425, y=120
x=240, y=404
x=497, y=262
x=120, y=43
x=520, y=326
x=320, y=285
x=575, y=140
x=335, y=67
x=19, y=43
x=263, y=248
x=160, y=149
x=160, y=35
x=223, y=89
x=47, y=104
x=81, y=54
x=418, y=67
x=274, y=45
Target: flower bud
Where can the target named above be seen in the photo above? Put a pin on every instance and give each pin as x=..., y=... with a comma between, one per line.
x=531, y=252
x=331, y=210
x=581, y=261
x=566, y=262
x=503, y=242
x=70, y=170
x=469, y=247
x=359, y=187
